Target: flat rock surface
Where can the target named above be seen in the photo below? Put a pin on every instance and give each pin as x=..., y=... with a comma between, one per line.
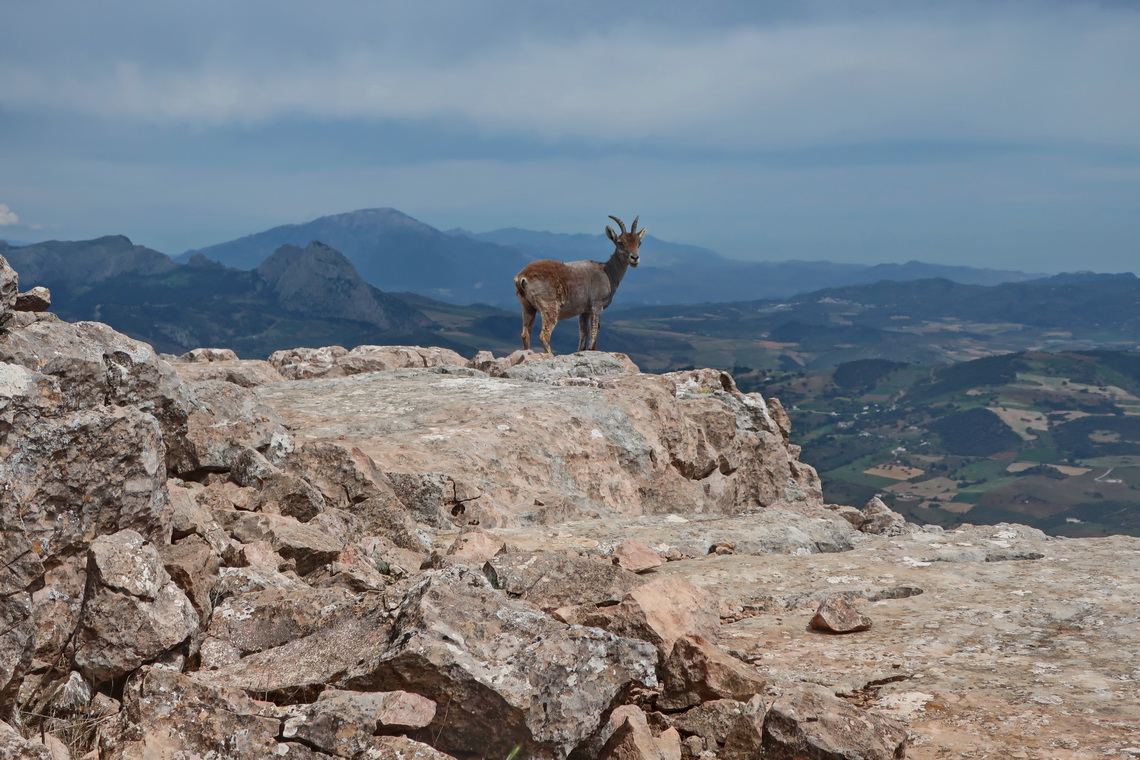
x=1033, y=658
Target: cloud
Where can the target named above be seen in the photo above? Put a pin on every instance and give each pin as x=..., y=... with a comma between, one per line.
x=1061, y=74
x=7, y=216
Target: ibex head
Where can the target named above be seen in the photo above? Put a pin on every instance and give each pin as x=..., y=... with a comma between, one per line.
x=627, y=242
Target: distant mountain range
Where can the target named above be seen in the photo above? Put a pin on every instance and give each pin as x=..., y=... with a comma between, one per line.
x=295, y=297
x=930, y=321
x=311, y=293
x=396, y=253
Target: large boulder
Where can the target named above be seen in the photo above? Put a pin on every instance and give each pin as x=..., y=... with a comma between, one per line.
x=224, y=421
x=452, y=638
x=810, y=721
x=550, y=580
x=92, y=366
x=78, y=475
x=526, y=450
x=477, y=653
x=133, y=612
x=170, y=716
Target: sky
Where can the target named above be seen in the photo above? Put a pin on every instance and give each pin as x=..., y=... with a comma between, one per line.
x=1001, y=134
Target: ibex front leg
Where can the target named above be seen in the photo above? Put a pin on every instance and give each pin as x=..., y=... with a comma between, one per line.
x=595, y=324
x=583, y=331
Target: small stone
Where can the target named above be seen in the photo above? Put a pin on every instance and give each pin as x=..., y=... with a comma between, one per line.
x=881, y=520
x=36, y=299
x=636, y=556
x=632, y=741
x=837, y=615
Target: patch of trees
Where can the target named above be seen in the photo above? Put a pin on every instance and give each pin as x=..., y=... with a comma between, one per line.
x=959, y=378
x=864, y=374
x=1078, y=438
x=975, y=432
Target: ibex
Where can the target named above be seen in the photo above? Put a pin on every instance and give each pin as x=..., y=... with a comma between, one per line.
x=559, y=290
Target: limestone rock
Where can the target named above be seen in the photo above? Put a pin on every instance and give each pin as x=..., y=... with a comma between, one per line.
x=377, y=358
x=631, y=741
x=93, y=365
x=9, y=288
x=299, y=363
x=476, y=653
x=225, y=419
x=208, y=355
x=132, y=613
x=475, y=546
x=342, y=723
x=485, y=361
x=13, y=746
x=56, y=606
x=811, y=722
x=306, y=545
x=636, y=556
x=37, y=299
x=881, y=520
x=773, y=530
x=550, y=580
x=634, y=446
x=349, y=480
x=699, y=671
x=170, y=716
x=284, y=493
x=193, y=565
x=836, y=614
x=76, y=475
x=661, y=611
x=263, y=619
x=727, y=728
x=401, y=748
x=247, y=373
x=542, y=368
x=301, y=668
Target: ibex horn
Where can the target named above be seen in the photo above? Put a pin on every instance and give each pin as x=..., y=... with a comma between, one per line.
x=619, y=222
x=633, y=227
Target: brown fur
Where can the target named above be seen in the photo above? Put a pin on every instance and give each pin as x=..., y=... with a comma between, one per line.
x=582, y=289
x=553, y=272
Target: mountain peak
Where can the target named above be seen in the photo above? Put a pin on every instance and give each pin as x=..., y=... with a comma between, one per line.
x=320, y=280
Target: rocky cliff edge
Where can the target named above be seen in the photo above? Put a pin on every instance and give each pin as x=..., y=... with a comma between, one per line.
x=394, y=552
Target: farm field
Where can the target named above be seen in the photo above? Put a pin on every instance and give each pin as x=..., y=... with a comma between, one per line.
x=1047, y=439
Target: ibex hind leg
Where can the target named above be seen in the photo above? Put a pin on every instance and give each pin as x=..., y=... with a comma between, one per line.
x=548, y=323
x=528, y=315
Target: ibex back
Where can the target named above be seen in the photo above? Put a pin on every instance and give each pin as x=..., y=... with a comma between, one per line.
x=561, y=290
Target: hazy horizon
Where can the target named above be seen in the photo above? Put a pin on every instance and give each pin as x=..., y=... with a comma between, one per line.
x=1000, y=134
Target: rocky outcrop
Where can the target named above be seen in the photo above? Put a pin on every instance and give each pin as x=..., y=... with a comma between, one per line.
x=196, y=566
x=625, y=443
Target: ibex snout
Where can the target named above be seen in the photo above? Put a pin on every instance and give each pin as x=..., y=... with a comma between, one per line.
x=634, y=258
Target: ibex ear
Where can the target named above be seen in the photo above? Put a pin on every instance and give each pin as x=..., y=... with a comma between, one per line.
x=641, y=235
x=611, y=234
